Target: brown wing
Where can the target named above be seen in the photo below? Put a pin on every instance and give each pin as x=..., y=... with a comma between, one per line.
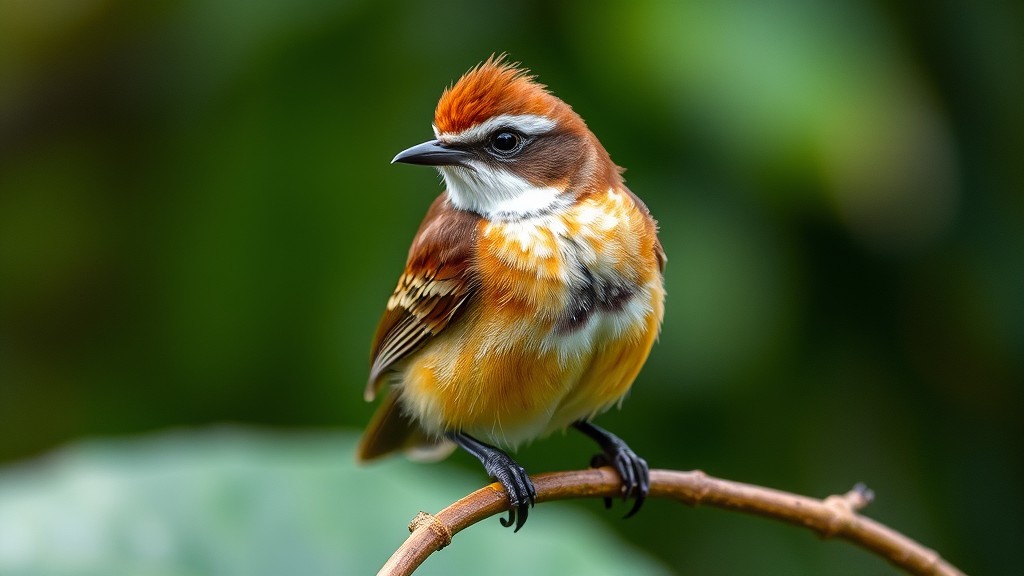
x=439, y=280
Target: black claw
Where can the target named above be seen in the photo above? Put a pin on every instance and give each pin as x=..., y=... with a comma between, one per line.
x=507, y=472
x=636, y=507
x=631, y=468
x=521, y=493
x=506, y=522
x=523, y=511
x=629, y=480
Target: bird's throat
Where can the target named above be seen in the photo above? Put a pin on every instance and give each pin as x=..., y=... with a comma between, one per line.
x=497, y=194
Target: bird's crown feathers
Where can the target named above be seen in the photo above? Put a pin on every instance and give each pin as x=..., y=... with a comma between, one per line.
x=492, y=88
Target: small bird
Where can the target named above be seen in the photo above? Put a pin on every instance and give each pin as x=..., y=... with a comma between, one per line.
x=532, y=294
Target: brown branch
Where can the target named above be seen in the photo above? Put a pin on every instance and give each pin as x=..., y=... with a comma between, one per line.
x=833, y=517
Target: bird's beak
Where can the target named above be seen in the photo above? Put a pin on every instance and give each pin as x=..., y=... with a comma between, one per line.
x=433, y=153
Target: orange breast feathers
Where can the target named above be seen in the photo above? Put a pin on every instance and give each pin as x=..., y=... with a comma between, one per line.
x=509, y=330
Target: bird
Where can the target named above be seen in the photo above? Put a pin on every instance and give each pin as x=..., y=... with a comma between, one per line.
x=532, y=294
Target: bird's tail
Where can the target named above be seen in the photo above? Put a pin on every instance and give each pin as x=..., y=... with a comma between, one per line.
x=391, y=430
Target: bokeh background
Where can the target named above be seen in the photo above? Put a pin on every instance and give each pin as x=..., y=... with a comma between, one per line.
x=199, y=227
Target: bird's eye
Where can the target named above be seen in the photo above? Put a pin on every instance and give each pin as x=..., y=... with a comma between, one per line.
x=506, y=143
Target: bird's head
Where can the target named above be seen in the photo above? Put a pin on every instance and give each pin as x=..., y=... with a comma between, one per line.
x=507, y=147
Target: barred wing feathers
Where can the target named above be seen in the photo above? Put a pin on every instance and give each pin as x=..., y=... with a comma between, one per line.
x=438, y=282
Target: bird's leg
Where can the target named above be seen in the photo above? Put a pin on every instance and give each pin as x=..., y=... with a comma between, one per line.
x=506, y=471
x=632, y=469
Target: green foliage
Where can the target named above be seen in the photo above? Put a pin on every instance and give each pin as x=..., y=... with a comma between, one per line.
x=199, y=224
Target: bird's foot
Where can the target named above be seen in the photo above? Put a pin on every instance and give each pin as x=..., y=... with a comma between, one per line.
x=503, y=469
x=632, y=469
x=521, y=493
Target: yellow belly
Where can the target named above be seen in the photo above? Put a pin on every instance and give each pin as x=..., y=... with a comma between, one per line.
x=506, y=383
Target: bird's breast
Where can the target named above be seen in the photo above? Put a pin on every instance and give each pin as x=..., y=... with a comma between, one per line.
x=567, y=307
x=577, y=276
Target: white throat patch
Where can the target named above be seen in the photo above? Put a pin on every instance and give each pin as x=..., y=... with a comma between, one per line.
x=495, y=193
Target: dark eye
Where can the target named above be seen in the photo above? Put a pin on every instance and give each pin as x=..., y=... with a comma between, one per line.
x=506, y=143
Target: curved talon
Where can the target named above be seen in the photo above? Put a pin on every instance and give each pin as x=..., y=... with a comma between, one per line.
x=522, y=518
x=506, y=522
x=519, y=505
x=635, y=478
x=632, y=469
x=520, y=490
x=636, y=507
x=643, y=473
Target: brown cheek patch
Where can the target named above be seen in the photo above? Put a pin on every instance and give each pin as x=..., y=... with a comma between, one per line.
x=551, y=160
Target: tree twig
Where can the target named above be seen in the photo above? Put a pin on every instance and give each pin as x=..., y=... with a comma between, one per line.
x=833, y=517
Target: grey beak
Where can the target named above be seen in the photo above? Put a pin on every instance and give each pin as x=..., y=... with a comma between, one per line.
x=433, y=153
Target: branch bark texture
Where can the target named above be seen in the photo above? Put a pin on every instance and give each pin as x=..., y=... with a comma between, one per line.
x=833, y=517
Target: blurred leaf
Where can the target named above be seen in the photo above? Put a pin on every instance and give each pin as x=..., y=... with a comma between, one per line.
x=237, y=501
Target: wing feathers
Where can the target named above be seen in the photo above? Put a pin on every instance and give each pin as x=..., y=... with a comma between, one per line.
x=438, y=282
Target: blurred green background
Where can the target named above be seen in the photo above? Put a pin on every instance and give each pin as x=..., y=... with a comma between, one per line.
x=199, y=225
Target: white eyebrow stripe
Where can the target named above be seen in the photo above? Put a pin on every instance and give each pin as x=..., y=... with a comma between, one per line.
x=529, y=124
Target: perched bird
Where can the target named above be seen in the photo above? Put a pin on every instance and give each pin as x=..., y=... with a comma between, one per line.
x=532, y=294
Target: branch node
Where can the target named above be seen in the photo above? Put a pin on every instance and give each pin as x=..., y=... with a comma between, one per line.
x=844, y=509
x=703, y=482
x=434, y=525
